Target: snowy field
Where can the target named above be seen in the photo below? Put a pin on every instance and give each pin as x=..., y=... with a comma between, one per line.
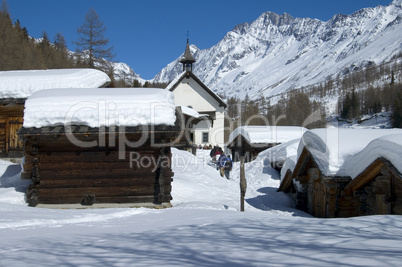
x=204, y=227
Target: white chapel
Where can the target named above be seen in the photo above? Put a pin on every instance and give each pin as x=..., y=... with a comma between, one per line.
x=190, y=92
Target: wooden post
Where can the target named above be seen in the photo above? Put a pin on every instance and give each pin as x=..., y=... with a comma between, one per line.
x=243, y=182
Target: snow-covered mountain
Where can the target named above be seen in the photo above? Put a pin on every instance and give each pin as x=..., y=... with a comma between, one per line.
x=276, y=53
x=121, y=71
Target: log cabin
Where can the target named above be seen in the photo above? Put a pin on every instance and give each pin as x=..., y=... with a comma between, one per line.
x=107, y=147
x=346, y=172
x=17, y=86
x=251, y=140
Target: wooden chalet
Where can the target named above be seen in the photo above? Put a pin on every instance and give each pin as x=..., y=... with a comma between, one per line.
x=251, y=140
x=366, y=181
x=17, y=86
x=79, y=164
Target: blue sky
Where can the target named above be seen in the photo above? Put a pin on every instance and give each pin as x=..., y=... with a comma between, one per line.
x=149, y=34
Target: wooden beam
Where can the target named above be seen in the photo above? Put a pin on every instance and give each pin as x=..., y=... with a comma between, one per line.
x=243, y=182
x=365, y=177
x=286, y=182
x=302, y=162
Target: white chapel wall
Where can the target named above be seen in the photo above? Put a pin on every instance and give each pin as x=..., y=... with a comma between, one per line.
x=190, y=93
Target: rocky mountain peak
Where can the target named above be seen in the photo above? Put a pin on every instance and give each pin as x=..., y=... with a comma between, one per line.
x=276, y=53
x=270, y=18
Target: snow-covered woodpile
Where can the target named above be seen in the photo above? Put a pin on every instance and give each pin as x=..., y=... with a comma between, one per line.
x=99, y=147
x=17, y=86
x=346, y=172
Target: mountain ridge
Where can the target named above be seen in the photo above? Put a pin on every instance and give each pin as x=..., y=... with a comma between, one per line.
x=276, y=53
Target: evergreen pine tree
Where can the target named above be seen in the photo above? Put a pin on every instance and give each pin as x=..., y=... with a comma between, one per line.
x=346, y=106
x=354, y=112
x=396, y=117
x=136, y=83
x=392, y=78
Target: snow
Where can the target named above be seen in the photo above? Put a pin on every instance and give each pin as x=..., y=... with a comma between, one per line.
x=267, y=134
x=95, y=107
x=192, y=112
x=388, y=147
x=277, y=155
x=23, y=83
x=296, y=52
x=380, y=120
x=204, y=227
x=347, y=152
x=175, y=80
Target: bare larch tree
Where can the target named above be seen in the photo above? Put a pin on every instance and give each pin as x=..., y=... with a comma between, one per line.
x=92, y=39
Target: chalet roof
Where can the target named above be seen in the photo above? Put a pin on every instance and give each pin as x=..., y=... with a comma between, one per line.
x=96, y=107
x=387, y=147
x=264, y=135
x=187, y=57
x=370, y=172
x=23, y=83
x=344, y=152
x=173, y=85
x=340, y=152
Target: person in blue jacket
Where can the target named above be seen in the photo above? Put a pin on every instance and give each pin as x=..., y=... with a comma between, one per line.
x=225, y=166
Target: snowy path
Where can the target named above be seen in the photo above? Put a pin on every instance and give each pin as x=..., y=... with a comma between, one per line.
x=203, y=228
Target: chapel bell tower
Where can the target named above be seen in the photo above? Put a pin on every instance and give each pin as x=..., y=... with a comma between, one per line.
x=187, y=60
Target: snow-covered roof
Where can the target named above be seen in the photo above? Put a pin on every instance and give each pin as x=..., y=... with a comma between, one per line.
x=389, y=147
x=289, y=164
x=347, y=152
x=97, y=107
x=278, y=154
x=192, y=112
x=175, y=81
x=267, y=134
x=23, y=83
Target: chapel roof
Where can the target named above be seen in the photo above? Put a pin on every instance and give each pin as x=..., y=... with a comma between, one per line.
x=188, y=74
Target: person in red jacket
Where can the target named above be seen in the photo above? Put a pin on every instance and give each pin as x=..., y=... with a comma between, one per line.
x=215, y=153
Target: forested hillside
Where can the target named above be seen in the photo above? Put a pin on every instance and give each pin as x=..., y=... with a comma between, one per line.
x=352, y=96
x=18, y=51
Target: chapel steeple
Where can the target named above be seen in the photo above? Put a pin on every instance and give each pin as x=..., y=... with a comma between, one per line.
x=187, y=60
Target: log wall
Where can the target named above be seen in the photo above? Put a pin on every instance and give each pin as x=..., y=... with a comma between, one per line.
x=383, y=195
x=63, y=173
x=327, y=196
x=2, y=136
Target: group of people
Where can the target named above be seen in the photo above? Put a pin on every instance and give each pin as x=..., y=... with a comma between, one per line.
x=223, y=162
